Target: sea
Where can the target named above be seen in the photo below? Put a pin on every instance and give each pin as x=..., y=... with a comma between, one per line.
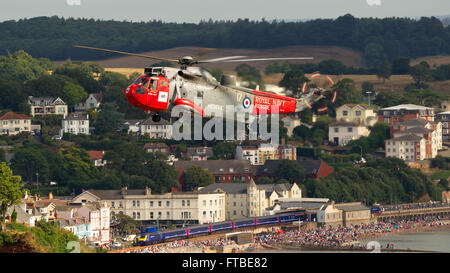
x=425, y=241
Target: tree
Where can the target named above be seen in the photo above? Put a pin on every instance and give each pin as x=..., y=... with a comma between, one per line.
x=384, y=71
x=12, y=96
x=28, y=161
x=250, y=74
x=347, y=92
x=374, y=54
x=127, y=225
x=109, y=78
x=225, y=150
x=108, y=119
x=367, y=86
x=293, y=81
x=290, y=170
x=196, y=176
x=420, y=73
x=22, y=66
x=10, y=190
x=400, y=66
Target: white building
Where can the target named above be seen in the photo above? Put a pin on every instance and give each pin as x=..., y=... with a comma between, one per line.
x=12, y=123
x=161, y=129
x=407, y=147
x=342, y=132
x=251, y=200
x=357, y=113
x=176, y=207
x=47, y=106
x=91, y=102
x=76, y=123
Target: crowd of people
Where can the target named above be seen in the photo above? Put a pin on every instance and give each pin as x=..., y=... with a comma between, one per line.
x=414, y=206
x=188, y=246
x=339, y=237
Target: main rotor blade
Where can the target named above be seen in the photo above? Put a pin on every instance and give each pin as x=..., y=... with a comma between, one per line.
x=127, y=53
x=221, y=59
x=267, y=59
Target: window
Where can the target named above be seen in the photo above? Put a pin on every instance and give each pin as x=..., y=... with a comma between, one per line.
x=134, y=203
x=204, y=203
x=151, y=215
x=168, y=215
x=167, y=203
x=336, y=130
x=138, y=215
x=349, y=129
x=345, y=113
x=159, y=203
x=182, y=203
x=358, y=113
x=112, y=204
x=151, y=203
x=138, y=203
x=204, y=214
x=188, y=203
x=159, y=215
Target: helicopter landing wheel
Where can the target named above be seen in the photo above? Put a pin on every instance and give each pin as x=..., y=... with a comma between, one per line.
x=156, y=118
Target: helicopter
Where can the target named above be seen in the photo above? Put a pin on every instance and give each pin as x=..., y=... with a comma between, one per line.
x=193, y=88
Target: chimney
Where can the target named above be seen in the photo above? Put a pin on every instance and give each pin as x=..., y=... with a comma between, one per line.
x=36, y=197
x=148, y=191
x=124, y=190
x=50, y=195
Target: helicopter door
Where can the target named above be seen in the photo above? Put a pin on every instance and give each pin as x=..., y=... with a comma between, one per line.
x=141, y=91
x=161, y=87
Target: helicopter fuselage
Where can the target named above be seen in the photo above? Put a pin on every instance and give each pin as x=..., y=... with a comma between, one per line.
x=195, y=89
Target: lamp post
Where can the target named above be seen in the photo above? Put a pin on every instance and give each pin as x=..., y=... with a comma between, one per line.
x=369, y=92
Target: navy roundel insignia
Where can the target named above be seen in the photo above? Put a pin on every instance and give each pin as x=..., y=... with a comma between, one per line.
x=246, y=102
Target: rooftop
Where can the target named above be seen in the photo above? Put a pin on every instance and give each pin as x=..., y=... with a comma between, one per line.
x=410, y=137
x=12, y=115
x=407, y=107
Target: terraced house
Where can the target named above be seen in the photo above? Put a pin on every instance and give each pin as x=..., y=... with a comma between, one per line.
x=13, y=124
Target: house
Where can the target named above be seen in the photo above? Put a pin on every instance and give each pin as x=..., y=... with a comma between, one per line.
x=444, y=118
x=177, y=208
x=245, y=200
x=342, y=132
x=354, y=213
x=47, y=106
x=76, y=123
x=257, y=155
x=157, y=147
x=98, y=213
x=97, y=157
x=313, y=168
x=160, y=129
x=357, y=113
x=133, y=125
x=224, y=171
x=27, y=216
x=13, y=124
x=91, y=102
x=404, y=112
x=430, y=131
x=408, y=147
x=199, y=153
x=329, y=216
x=79, y=226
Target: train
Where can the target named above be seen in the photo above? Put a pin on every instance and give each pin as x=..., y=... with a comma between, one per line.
x=149, y=238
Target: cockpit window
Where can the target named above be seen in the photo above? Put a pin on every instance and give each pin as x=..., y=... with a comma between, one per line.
x=140, y=80
x=154, y=84
x=143, y=82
